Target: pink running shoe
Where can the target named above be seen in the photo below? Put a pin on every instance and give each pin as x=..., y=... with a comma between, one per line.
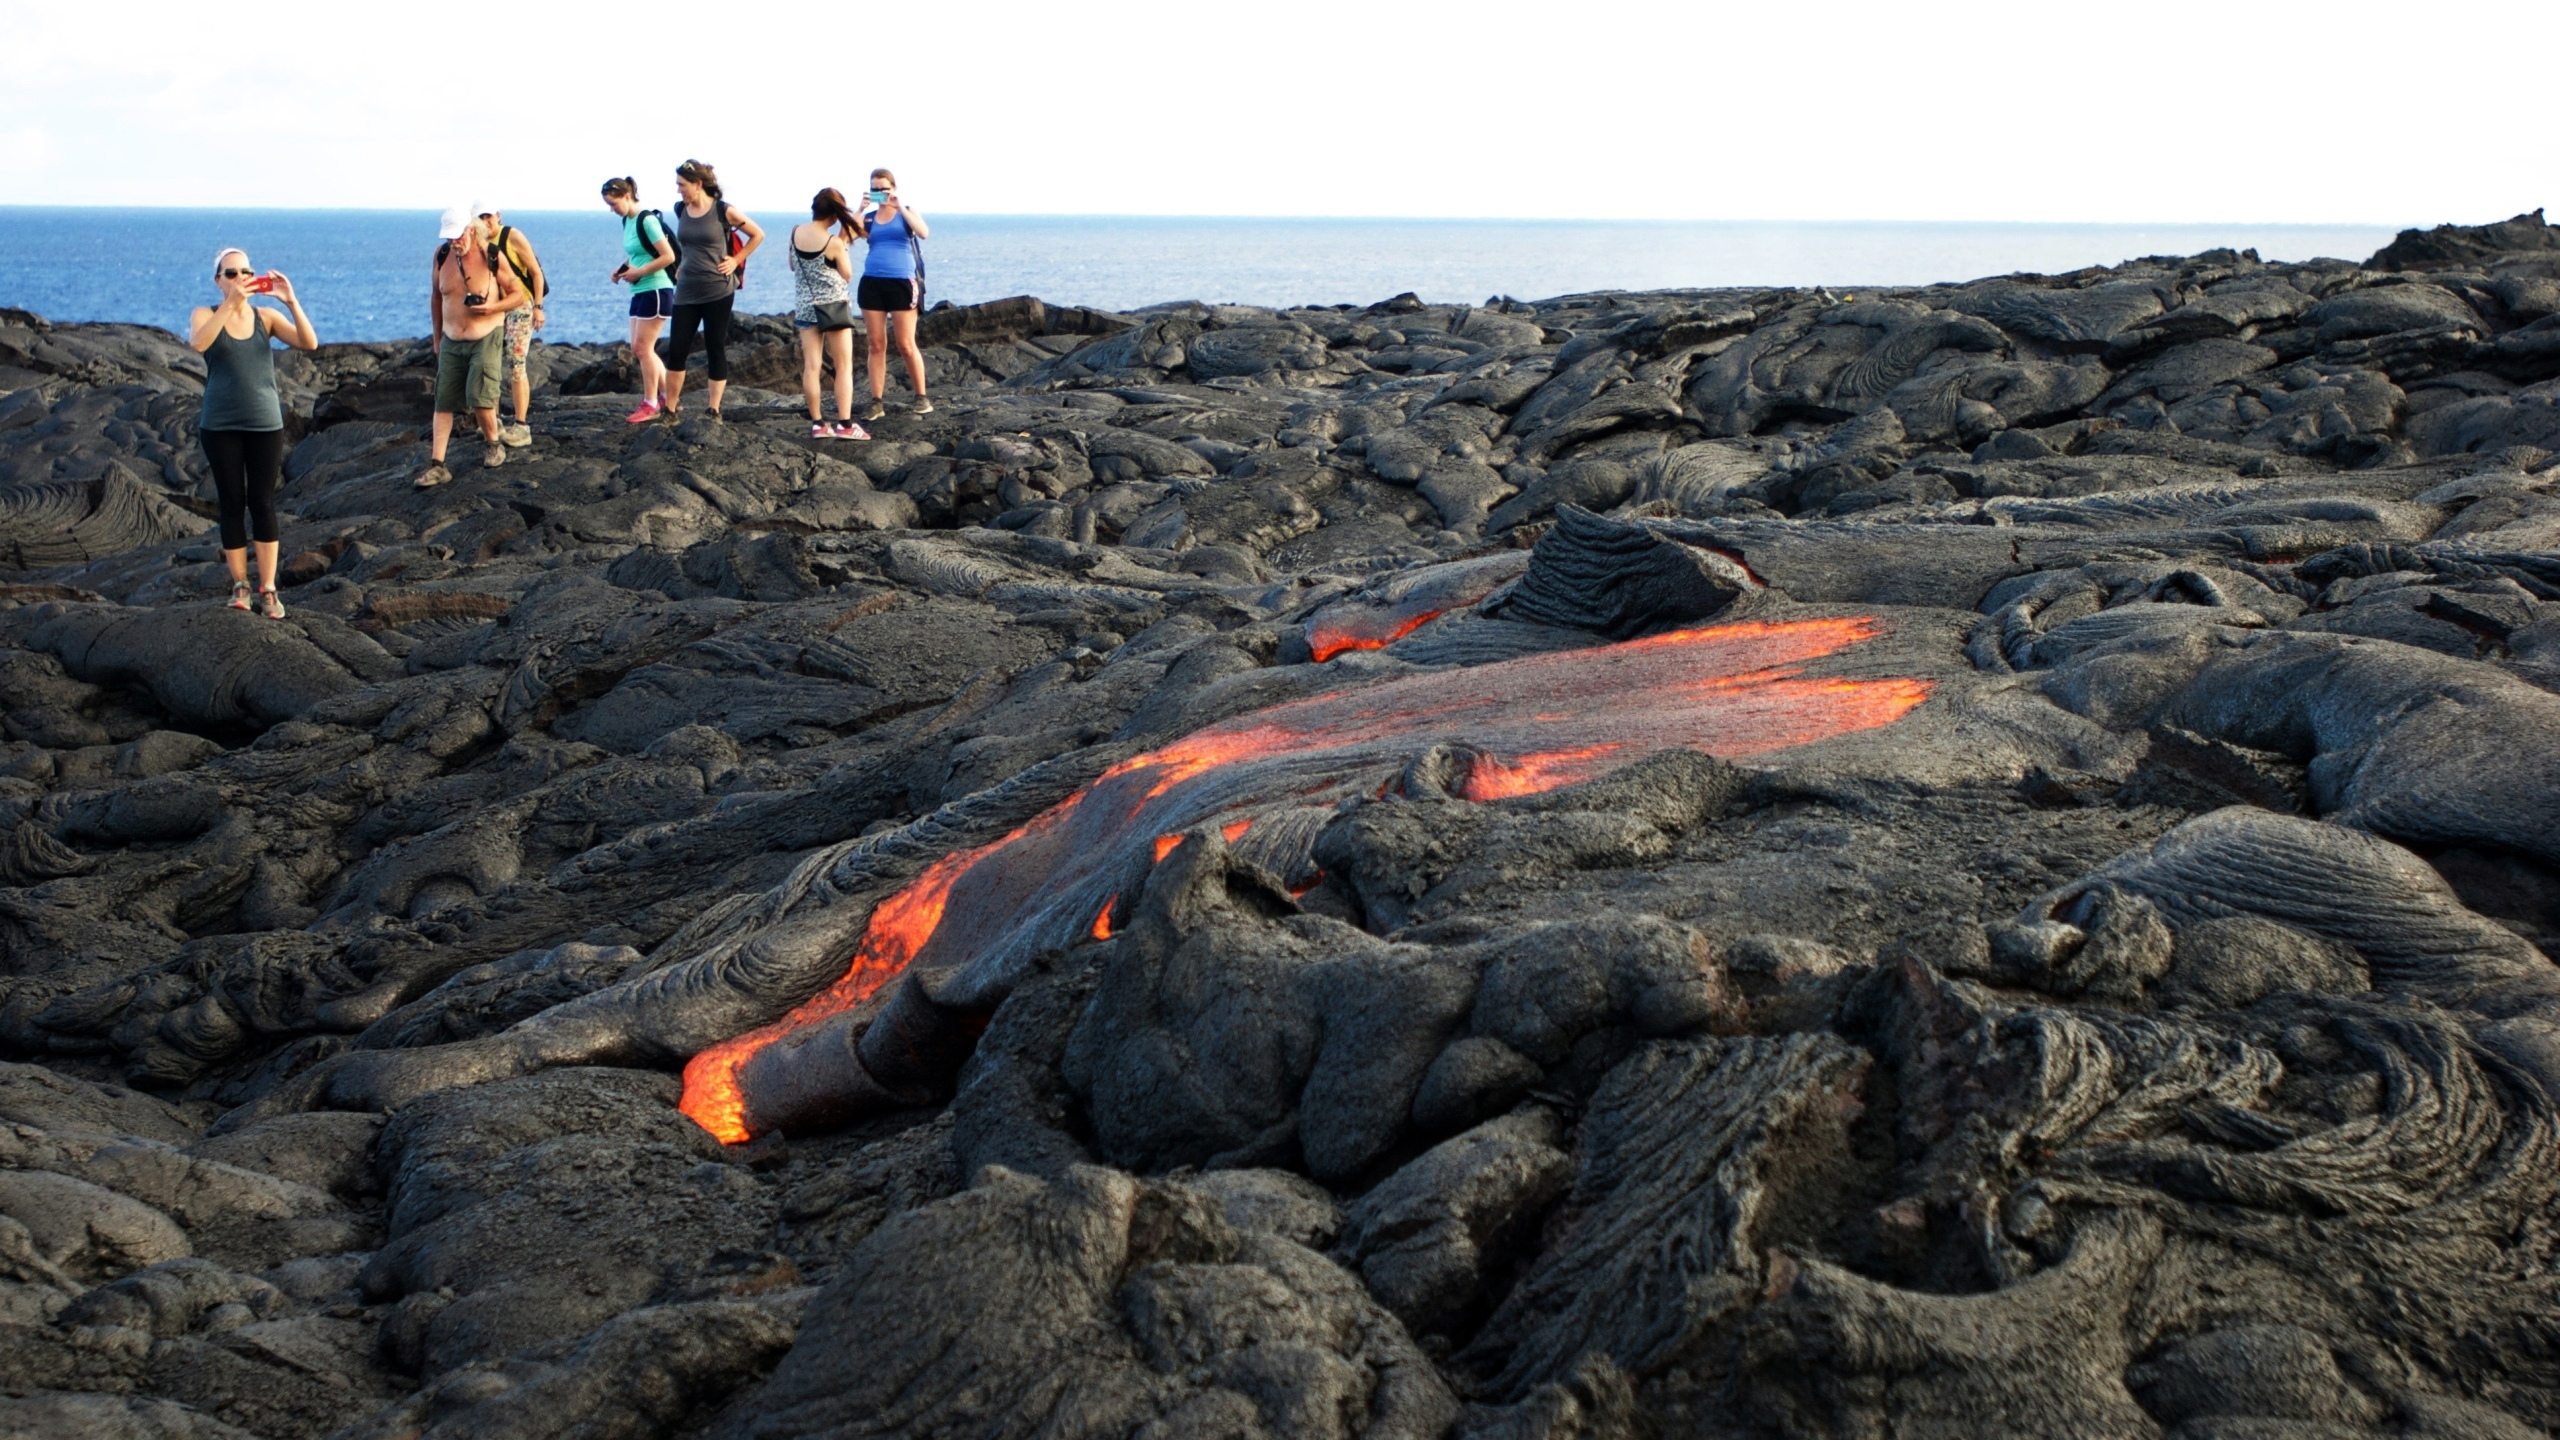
x=847, y=430
x=647, y=412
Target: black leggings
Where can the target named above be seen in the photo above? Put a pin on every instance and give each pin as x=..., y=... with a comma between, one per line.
x=247, y=464
x=713, y=318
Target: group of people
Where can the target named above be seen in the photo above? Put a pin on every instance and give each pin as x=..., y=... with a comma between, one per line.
x=485, y=301
x=684, y=277
x=684, y=273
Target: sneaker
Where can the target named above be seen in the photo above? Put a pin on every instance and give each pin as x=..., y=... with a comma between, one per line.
x=516, y=436
x=877, y=411
x=435, y=474
x=273, y=604
x=647, y=412
x=821, y=430
x=923, y=406
x=239, y=594
x=494, y=456
x=713, y=415
x=847, y=430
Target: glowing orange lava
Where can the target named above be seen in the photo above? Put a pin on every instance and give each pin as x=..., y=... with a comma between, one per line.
x=1329, y=638
x=899, y=928
x=1535, y=723
x=1494, y=779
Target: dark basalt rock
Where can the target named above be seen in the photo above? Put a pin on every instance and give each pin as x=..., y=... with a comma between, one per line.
x=2448, y=247
x=1975, y=860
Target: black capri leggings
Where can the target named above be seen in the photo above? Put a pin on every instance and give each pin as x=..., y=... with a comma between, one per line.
x=713, y=318
x=247, y=465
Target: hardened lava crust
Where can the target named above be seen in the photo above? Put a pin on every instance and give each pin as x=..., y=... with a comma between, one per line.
x=1966, y=861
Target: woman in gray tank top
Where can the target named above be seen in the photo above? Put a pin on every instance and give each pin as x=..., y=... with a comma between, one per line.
x=706, y=277
x=242, y=422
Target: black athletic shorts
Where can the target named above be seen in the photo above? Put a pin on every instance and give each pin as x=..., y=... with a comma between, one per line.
x=886, y=292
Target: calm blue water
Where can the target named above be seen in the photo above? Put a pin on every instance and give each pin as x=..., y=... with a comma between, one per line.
x=363, y=273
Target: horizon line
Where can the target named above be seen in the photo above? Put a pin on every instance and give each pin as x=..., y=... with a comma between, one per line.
x=1300, y=216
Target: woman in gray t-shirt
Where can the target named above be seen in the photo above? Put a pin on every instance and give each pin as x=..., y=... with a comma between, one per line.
x=706, y=277
x=242, y=422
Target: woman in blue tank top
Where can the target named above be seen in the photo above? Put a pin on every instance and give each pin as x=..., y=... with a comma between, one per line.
x=892, y=289
x=242, y=422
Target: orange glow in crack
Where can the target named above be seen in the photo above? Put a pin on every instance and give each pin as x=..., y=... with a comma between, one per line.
x=1328, y=639
x=1537, y=723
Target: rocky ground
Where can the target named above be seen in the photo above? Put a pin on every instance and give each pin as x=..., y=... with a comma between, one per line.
x=1950, y=862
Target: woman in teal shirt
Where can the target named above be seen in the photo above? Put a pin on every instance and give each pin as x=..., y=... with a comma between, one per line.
x=648, y=257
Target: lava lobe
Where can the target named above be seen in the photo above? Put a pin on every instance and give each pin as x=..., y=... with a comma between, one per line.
x=1531, y=724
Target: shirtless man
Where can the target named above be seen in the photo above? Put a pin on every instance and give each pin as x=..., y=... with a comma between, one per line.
x=467, y=306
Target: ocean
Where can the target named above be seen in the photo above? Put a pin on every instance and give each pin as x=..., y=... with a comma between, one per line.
x=363, y=273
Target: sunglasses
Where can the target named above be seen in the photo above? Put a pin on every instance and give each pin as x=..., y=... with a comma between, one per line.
x=231, y=274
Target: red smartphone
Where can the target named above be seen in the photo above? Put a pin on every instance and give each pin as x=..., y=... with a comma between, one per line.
x=263, y=285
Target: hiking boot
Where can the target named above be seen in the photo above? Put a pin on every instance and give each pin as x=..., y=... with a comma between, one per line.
x=435, y=474
x=877, y=411
x=239, y=594
x=494, y=456
x=923, y=406
x=271, y=604
x=516, y=436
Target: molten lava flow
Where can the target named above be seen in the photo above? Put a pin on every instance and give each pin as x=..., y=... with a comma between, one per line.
x=898, y=929
x=1535, y=723
x=1231, y=833
x=1332, y=635
x=1496, y=779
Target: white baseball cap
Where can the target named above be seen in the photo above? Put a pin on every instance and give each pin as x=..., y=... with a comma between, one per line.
x=457, y=218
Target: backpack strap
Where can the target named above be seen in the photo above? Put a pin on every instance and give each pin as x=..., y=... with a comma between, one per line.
x=729, y=232
x=505, y=234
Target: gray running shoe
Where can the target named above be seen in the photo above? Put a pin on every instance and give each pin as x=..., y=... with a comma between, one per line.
x=435, y=474
x=923, y=406
x=239, y=594
x=494, y=456
x=272, y=604
x=877, y=411
x=516, y=436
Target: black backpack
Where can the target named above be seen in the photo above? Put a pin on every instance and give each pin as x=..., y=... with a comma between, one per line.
x=666, y=232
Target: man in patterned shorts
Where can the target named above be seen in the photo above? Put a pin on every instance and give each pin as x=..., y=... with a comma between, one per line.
x=517, y=253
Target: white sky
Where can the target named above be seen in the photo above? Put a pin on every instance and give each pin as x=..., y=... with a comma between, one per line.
x=2058, y=111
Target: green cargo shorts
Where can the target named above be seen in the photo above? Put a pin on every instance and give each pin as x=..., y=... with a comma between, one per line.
x=468, y=373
